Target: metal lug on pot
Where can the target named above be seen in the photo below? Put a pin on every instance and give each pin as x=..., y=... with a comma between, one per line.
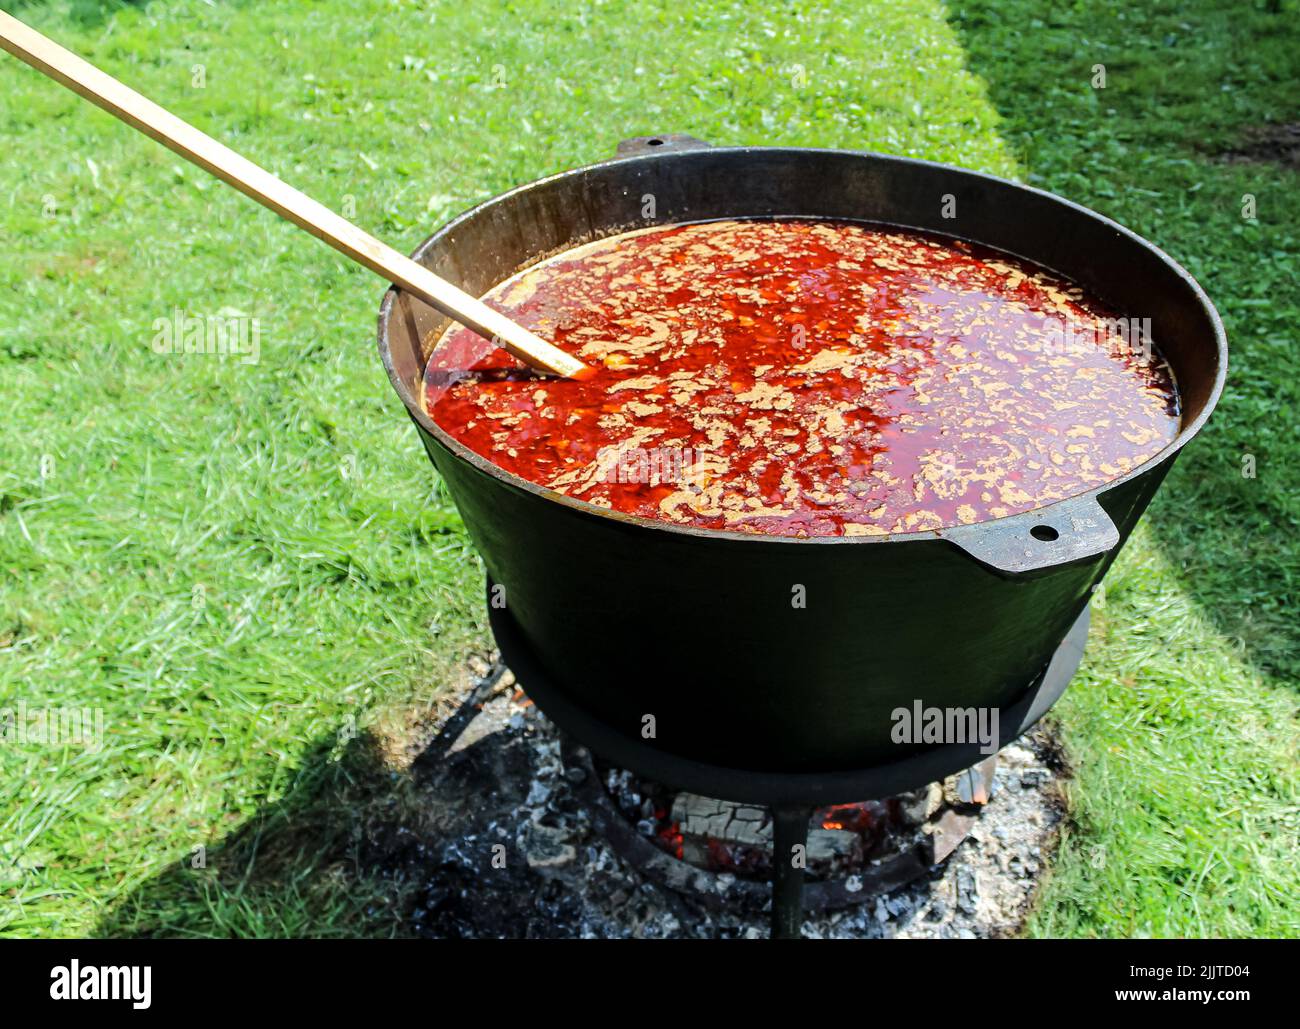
x=671, y=142
x=1072, y=530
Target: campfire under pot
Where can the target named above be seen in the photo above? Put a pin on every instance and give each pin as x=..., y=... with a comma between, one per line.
x=720, y=850
x=595, y=850
x=746, y=696
x=792, y=798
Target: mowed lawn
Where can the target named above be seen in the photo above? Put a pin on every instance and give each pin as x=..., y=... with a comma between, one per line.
x=250, y=569
x=238, y=563
x=1183, y=724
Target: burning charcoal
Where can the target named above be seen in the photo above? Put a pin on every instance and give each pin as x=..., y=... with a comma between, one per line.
x=833, y=847
x=566, y=875
x=707, y=818
x=975, y=785
x=918, y=806
x=544, y=847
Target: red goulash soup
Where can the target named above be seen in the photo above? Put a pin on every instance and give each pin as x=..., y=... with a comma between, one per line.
x=804, y=378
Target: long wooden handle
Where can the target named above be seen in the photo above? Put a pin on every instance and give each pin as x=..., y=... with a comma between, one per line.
x=117, y=99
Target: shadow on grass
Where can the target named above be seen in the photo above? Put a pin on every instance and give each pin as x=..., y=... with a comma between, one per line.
x=361, y=847
x=1142, y=157
x=330, y=859
x=1236, y=544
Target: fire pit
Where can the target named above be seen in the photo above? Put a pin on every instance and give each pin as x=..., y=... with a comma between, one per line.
x=792, y=798
x=726, y=688
x=524, y=832
x=855, y=852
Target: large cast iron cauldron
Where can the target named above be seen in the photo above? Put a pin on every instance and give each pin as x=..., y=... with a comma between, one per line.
x=634, y=617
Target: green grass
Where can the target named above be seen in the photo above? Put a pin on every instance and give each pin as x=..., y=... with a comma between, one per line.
x=1186, y=804
x=237, y=563
x=241, y=563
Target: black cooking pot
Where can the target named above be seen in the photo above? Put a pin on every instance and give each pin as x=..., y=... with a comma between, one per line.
x=632, y=617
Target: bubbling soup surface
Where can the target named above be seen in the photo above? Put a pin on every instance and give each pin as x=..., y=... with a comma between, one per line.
x=804, y=378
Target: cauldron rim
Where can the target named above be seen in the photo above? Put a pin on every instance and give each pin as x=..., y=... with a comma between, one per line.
x=1044, y=513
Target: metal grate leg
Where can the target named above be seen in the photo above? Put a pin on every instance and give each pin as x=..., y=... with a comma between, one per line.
x=790, y=830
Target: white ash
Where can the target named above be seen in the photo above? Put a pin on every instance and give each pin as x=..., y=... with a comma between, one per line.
x=511, y=850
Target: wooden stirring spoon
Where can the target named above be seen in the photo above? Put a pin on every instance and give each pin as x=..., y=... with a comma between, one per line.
x=67, y=68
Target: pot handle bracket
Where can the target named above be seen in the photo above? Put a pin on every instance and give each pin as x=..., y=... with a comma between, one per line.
x=1074, y=530
x=665, y=143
